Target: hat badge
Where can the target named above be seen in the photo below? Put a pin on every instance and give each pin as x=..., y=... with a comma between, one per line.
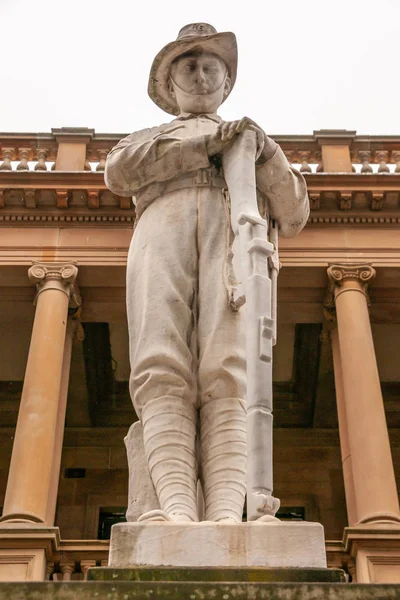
x=196, y=29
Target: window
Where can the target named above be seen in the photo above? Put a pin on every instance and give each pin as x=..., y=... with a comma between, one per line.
x=107, y=518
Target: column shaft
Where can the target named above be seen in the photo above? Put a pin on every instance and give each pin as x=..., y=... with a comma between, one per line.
x=59, y=435
x=375, y=490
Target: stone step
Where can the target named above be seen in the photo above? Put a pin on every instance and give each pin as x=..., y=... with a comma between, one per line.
x=174, y=590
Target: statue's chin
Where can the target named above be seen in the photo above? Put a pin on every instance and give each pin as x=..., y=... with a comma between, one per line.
x=199, y=103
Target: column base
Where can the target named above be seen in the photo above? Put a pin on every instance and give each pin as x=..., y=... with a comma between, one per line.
x=25, y=550
x=206, y=544
x=376, y=552
x=24, y=517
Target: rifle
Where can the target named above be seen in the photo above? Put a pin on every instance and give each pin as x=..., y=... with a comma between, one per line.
x=259, y=269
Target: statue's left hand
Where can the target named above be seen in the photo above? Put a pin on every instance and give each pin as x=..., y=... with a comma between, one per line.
x=229, y=129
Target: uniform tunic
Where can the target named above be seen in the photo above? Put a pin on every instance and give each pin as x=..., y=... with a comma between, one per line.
x=185, y=340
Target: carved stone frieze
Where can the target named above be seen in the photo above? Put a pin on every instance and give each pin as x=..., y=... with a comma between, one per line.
x=377, y=200
x=30, y=198
x=93, y=199
x=125, y=202
x=62, y=198
x=344, y=200
x=314, y=201
x=56, y=276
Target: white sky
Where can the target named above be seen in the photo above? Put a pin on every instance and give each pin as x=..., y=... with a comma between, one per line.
x=303, y=65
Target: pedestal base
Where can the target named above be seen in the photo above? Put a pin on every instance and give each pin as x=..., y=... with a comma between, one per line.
x=276, y=544
x=25, y=549
x=226, y=575
x=375, y=549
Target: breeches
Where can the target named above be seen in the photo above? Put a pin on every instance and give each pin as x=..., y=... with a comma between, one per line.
x=185, y=340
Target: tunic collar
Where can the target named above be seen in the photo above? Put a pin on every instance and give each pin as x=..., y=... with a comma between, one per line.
x=212, y=116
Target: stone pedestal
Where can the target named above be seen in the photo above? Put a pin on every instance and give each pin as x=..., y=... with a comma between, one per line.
x=25, y=550
x=205, y=544
x=227, y=575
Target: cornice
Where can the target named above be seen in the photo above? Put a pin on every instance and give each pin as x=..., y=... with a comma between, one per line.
x=355, y=182
x=51, y=180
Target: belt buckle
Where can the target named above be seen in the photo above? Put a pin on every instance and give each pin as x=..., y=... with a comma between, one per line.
x=204, y=177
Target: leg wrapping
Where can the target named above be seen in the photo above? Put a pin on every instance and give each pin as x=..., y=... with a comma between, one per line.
x=169, y=429
x=223, y=458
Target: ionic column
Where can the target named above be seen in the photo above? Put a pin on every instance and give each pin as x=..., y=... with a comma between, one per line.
x=375, y=493
x=30, y=475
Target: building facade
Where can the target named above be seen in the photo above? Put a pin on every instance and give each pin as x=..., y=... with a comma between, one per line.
x=64, y=369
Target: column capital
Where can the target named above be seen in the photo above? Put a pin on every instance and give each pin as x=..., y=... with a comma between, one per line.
x=343, y=278
x=361, y=273
x=56, y=276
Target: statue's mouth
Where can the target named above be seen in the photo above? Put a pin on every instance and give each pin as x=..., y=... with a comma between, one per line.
x=201, y=91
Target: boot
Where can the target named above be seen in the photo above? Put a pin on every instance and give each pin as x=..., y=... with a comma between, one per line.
x=223, y=459
x=169, y=430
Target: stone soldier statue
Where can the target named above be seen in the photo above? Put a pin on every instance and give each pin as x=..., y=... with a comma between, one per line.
x=187, y=349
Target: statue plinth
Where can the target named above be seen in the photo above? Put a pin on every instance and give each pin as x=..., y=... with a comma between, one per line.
x=214, y=545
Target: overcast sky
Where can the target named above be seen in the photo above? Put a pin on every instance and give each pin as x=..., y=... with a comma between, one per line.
x=303, y=65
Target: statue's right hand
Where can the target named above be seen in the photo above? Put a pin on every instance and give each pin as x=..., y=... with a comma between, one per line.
x=215, y=144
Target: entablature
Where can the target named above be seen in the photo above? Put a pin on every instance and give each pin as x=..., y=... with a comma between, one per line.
x=58, y=177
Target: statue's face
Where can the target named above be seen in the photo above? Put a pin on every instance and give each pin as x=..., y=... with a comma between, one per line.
x=199, y=82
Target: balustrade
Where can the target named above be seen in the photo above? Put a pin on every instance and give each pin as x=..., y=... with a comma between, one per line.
x=8, y=156
x=41, y=155
x=24, y=154
x=365, y=159
x=76, y=558
x=396, y=160
x=369, y=154
x=382, y=159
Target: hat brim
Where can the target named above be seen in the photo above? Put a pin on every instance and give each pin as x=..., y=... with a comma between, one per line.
x=222, y=44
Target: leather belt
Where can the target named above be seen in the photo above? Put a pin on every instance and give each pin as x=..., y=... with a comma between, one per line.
x=204, y=178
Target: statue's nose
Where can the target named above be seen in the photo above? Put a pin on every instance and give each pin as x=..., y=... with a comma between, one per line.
x=201, y=77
